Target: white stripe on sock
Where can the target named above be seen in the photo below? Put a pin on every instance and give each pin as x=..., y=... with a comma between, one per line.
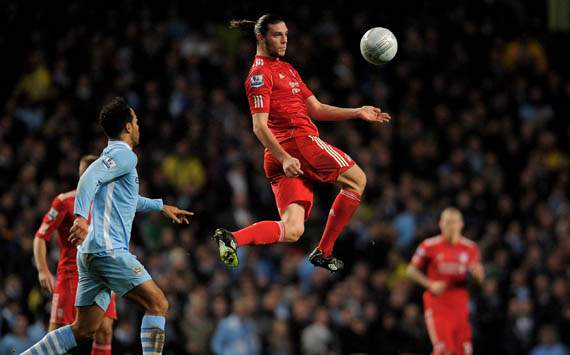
x=58, y=346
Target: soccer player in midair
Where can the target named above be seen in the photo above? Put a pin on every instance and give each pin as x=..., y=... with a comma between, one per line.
x=283, y=107
x=442, y=264
x=59, y=219
x=103, y=259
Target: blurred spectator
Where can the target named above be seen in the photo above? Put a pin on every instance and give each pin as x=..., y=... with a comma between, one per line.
x=237, y=333
x=549, y=343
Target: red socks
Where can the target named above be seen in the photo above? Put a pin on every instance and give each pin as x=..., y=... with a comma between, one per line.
x=100, y=349
x=266, y=232
x=346, y=202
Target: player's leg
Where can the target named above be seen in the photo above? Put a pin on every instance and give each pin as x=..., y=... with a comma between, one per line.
x=67, y=337
x=151, y=298
x=352, y=183
x=294, y=198
x=463, y=335
x=92, y=298
x=104, y=336
x=439, y=331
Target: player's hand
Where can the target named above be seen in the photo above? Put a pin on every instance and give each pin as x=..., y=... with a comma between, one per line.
x=46, y=280
x=373, y=114
x=437, y=287
x=477, y=271
x=176, y=214
x=292, y=167
x=78, y=231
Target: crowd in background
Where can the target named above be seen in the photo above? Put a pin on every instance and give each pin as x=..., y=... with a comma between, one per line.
x=480, y=121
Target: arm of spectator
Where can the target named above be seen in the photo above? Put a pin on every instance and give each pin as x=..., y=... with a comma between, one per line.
x=291, y=165
x=324, y=112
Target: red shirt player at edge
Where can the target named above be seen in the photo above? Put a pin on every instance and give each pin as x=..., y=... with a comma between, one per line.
x=447, y=259
x=283, y=107
x=60, y=218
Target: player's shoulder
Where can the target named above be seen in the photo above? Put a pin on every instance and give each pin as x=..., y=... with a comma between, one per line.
x=467, y=242
x=66, y=195
x=118, y=155
x=432, y=241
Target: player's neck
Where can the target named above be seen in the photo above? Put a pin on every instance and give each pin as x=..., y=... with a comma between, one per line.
x=127, y=139
x=262, y=52
x=452, y=239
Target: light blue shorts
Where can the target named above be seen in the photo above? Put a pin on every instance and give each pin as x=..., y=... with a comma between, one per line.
x=100, y=273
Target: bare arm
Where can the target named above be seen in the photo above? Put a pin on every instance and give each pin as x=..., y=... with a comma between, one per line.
x=44, y=275
x=291, y=165
x=324, y=112
x=436, y=287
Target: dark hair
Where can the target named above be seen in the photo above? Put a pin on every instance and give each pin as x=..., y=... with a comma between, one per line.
x=260, y=26
x=114, y=116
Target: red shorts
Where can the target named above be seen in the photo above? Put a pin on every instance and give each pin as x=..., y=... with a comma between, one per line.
x=320, y=162
x=449, y=331
x=63, y=301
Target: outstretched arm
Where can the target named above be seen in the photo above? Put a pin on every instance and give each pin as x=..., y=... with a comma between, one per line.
x=324, y=112
x=176, y=214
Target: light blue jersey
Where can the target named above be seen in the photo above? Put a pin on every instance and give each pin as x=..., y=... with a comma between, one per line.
x=112, y=183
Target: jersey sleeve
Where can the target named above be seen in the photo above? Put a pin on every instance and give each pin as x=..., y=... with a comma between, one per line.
x=102, y=171
x=145, y=204
x=258, y=87
x=475, y=255
x=420, y=258
x=52, y=219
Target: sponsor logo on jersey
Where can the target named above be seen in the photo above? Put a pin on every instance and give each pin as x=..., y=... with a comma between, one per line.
x=109, y=163
x=52, y=214
x=257, y=81
x=463, y=257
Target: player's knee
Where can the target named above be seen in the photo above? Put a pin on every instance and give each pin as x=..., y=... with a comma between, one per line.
x=356, y=181
x=159, y=306
x=104, y=334
x=294, y=231
x=84, y=331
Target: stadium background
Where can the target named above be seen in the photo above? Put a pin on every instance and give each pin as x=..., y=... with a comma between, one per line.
x=479, y=94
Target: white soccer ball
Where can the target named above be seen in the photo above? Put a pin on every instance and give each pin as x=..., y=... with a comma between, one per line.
x=378, y=45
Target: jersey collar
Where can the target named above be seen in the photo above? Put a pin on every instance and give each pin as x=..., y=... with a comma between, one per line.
x=119, y=142
x=271, y=59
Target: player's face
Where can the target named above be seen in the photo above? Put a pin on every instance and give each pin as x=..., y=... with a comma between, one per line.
x=134, y=128
x=451, y=224
x=276, y=39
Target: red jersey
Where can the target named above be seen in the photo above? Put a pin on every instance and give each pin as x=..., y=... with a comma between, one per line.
x=60, y=217
x=446, y=262
x=275, y=87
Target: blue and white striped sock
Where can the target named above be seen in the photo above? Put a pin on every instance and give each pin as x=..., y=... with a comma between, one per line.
x=152, y=334
x=58, y=341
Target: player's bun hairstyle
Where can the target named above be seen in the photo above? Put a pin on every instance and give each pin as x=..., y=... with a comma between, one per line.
x=261, y=26
x=114, y=116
